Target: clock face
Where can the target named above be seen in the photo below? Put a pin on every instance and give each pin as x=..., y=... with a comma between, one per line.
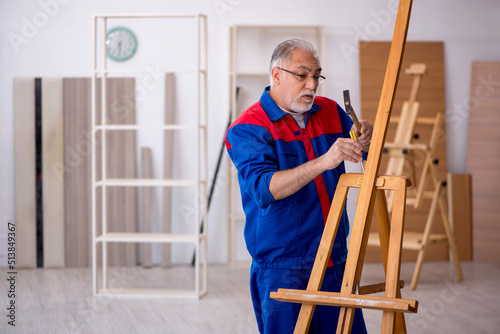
x=121, y=43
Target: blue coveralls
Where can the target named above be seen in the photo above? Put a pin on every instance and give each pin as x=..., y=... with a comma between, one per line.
x=283, y=236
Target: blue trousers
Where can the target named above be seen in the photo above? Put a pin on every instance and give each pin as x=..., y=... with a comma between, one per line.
x=275, y=317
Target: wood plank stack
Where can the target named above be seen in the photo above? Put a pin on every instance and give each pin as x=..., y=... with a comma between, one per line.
x=66, y=143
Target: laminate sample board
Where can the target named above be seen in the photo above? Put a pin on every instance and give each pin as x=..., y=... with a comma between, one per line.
x=460, y=206
x=24, y=175
x=120, y=163
x=64, y=113
x=77, y=168
x=483, y=159
x=373, y=61
x=39, y=184
x=53, y=180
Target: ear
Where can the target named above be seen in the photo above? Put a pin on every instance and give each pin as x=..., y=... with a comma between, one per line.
x=276, y=75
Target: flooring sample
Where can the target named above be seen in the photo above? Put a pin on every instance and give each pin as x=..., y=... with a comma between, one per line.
x=120, y=163
x=77, y=171
x=460, y=207
x=167, y=165
x=483, y=159
x=53, y=180
x=146, y=201
x=24, y=176
x=373, y=62
x=61, y=234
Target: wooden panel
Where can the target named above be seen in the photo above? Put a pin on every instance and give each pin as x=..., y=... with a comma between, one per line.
x=120, y=163
x=53, y=180
x=168, y=146
x=66, y=170
x=147, y=194
x=121, y=214
x=460, y=206
x=483, y=159
x=77, y=178
x=24, y=176
x=373, y=61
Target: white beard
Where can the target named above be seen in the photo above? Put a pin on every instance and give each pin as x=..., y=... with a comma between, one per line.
x=300, y=107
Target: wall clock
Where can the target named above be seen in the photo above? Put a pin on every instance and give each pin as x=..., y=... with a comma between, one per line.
x=121, y=43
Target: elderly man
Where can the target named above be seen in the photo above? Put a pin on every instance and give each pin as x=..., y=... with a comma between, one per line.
x=289, y=149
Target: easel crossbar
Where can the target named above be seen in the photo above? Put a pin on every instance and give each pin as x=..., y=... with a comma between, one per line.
x=352, y=300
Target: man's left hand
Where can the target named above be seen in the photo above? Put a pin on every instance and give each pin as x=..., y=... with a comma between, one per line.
x=364, y=135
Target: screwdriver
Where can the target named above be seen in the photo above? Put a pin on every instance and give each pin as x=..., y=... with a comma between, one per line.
x=353, y=136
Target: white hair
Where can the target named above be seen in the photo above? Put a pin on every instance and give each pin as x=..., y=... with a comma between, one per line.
x=282, y=54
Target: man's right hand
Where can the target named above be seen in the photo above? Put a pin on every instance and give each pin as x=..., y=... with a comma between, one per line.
x=344, y=149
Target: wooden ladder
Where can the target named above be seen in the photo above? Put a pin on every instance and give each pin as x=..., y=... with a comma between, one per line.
x=371, y=199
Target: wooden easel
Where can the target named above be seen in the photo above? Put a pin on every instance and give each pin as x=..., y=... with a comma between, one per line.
x=420, y=241
x=399, y=156
x=400, y=153
x=371, y=198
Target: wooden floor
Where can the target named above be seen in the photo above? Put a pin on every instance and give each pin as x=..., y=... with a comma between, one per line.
x=61, y=301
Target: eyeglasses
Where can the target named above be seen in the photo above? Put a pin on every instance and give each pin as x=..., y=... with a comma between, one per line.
x=302, y=77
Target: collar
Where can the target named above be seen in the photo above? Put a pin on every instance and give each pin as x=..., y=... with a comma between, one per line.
x=273, y=111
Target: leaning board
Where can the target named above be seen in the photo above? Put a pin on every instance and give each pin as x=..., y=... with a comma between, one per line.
x=373, y=61
x=24, y=176
x=46, y=234
x=460, y=207
x=120, y=163
x=66, y=147
x=77, y=162
x=53, y=178
x=483, y=159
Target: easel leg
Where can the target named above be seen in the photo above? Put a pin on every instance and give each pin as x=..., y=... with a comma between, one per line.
x=450, y=236
x=382, y=218
x=393, y=321
x=346, y=315
x=323, y=255
x=425, y=239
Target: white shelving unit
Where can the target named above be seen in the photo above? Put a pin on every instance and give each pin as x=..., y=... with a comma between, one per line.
x=251, y=47
x=101, y=237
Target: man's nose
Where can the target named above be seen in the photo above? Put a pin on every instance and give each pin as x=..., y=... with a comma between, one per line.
x=311, y=83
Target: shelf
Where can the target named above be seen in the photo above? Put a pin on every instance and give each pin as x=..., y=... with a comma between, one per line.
x=156, y=293
x=149, y=237
x=108, y=71
x=279, y=27
x=147, y=16
x=251, y=74
x=148, y=182
x=195, y=147
x=114, y=127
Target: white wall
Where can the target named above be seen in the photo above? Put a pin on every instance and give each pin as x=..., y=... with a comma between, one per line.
x=61, y=45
